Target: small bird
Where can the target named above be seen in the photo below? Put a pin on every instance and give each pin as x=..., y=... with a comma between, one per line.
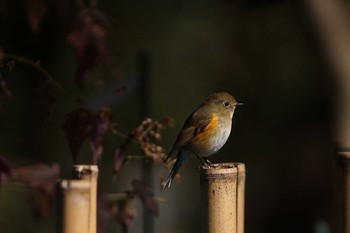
x=205, y=131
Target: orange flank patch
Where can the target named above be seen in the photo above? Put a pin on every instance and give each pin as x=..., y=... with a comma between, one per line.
x=205, y=134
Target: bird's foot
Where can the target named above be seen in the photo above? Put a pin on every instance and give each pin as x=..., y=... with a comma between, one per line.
x=207, y=163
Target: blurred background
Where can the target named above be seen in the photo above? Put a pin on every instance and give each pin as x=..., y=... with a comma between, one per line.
x=266, y=53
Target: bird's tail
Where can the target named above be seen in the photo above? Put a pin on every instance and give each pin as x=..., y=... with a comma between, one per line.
x=179, y=161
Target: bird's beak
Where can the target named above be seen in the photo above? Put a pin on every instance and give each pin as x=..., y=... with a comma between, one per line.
x=236, y=104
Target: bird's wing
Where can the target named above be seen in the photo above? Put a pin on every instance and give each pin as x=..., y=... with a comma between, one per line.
x=194, y=125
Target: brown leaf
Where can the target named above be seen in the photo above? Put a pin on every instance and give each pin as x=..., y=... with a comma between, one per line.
x=119, y=156
x=88, y=38
x=104, y=213
x=3, y=85
x=122, y=210
x=43, y=101
x=4, y=88
x=5, y=169
x=41, y=203
x=126, y=212
x=99, y=128
x=11, y=65
x=40, y=176
x=1, y=54
x=36, y=10
x=82, y=124
x=120, y=152
x=77, y=127
x=145, y=193
x=169, y=121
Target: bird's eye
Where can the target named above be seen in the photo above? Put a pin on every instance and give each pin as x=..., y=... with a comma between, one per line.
x=226, y=104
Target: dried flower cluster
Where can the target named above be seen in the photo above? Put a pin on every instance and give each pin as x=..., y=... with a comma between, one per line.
x=148, y=135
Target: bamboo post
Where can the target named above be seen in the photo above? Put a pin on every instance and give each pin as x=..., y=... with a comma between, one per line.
x=75, y=202
x=345, y=192
x=222, y=194
x=89, y=173
x=330, y=23
x=240, y=196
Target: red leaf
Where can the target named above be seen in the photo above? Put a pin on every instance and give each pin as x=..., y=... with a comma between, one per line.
x=43, y=101
x=145, y=193
x=4, y=88
x=3, y=85
x=41, y=203
x=40, y=176
x=120, y=152
x=119, y=156
x=123, y=210
x=77, y=127
x=104, y=213
x=126, y=212
x=5, y=170
x=82, y=124
x=169, y=121
x=88, y=38
x=36, y=10
x=1, y=54
x=99, y=127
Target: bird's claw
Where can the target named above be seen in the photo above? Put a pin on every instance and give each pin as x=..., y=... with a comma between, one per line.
x=207, y=163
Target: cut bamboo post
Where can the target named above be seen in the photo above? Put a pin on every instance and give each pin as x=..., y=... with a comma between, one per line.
x=89, y=173
x=222, y=195
x=345, y=164
x=329, y=21
x=240, y=196
x=75, y=202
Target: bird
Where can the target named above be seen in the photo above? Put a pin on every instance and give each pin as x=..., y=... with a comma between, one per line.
x=204, y=132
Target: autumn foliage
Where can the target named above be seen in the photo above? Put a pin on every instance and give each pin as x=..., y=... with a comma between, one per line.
x=87, y=32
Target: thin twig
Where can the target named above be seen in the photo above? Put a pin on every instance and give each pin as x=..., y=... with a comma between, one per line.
x=160, y=200
x=130, y=157
x=44, y=72
x=118, y=196
x=16, y=185
x=125, y=195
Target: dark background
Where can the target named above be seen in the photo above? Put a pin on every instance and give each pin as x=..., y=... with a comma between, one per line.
x=262, y=52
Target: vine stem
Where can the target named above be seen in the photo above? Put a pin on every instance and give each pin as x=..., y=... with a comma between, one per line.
x=16, y=185
x=48, y=76
x=136, y=157
x=43, y=71
x=125, y=195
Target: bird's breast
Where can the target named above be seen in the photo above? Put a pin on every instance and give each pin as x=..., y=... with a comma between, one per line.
x=213, y=138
